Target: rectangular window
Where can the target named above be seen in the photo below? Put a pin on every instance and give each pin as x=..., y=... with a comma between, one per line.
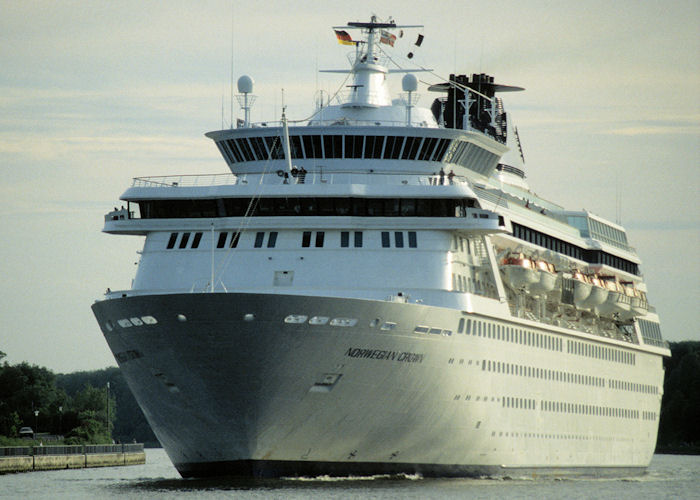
x=319, y=238
x=259, y=237
x=306, y=239
x=428, y=147
x=272, y=239
x=398, y=238
x=412, y=239
x=183, y=241
x=196, y=240
x=333, y=146
x=295, y=146
x=409, y=144
x=344, y=239
x=385, y=239
x=222, y=240
x=358, y=239
x=172, y=240
x=274, y=144
x=234, y=239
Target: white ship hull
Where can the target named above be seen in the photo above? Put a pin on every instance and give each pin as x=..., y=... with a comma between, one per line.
x=230, y=393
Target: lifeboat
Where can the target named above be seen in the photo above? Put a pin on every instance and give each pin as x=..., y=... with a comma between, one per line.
x=638, y=299
x=519, y=271
x=598, y=293
x=617, y=301
x=582, y=287
x=547, y=277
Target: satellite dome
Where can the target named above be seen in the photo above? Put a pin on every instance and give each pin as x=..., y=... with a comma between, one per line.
x=245, y=84
x=409, y=83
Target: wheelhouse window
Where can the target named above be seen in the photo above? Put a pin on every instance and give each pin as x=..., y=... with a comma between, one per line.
x=259, y=237
x=316, y=206
x=196, y=240
x=222, y=240
x=386, y=243
x=172, y=240
x=331, y=146
x=183, y=241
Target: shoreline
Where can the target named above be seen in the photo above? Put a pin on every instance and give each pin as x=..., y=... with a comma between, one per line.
x=40, y=458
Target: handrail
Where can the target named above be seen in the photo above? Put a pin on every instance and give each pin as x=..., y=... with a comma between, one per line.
x=329, y=177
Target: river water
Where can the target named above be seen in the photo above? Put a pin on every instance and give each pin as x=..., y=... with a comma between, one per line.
x=669, y=476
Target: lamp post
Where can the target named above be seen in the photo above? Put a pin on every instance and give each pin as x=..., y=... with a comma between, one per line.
x=60, y=420
x=36, y=421
x=109, y=434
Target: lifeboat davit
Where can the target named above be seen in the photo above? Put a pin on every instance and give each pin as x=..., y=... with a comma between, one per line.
x=519, y=271
x=598, y=293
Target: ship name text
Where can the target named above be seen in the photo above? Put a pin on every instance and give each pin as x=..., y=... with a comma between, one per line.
x=404, y=357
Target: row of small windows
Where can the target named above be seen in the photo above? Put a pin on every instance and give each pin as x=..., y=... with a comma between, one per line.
x=318, y=240
x=341, y=146
x=557, y=245
x=466, y=284
x=272, y=207
x=520, y=403
x=600, y=352
x=509, y=334
x=184, y=240
x=399, y=239
x=585, y=409
x=624, y=385
x=566, y=407
x=308, y=239
x=577, y=437
x=541, y=373
x=345, y=239
x=547, y=241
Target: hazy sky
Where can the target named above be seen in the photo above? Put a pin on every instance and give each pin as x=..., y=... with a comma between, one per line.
x=93, y=94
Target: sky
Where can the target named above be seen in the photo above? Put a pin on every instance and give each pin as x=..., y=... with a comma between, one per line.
x=93, y=94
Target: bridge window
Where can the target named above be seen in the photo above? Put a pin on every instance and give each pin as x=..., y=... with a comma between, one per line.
x=183, y=241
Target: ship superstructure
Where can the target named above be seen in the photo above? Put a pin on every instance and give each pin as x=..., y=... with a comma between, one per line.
x=377, y=290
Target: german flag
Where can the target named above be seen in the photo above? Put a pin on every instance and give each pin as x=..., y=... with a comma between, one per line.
x=344, y=38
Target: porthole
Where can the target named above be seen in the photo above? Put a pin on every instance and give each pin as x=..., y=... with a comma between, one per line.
x=388, y=325
x=124, y=323
x=249, y=317
x=318, y=320
x=421, y=329
x=136, y=321
x=346, y=322
x=149, y=320
x=181, y=318
x=296, y=318
x=109, y=326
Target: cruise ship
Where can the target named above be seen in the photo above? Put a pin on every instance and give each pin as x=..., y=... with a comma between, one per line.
x=377, y=290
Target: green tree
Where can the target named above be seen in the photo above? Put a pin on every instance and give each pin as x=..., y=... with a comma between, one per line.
x=25, y=389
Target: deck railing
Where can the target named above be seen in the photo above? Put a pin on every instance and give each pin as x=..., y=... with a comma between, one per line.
x=279, y=177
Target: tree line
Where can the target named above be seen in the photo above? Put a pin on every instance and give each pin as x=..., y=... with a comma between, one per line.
x=93, y=407
x=75, y=404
